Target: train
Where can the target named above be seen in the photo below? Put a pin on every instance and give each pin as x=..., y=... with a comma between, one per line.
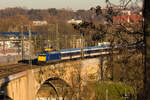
x=74, y=53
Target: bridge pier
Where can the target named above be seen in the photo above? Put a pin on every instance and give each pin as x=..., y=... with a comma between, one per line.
x=16, y=89
x=22, y=88
x=31, y=95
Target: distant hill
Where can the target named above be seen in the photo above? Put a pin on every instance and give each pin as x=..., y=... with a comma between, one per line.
x=50, y=14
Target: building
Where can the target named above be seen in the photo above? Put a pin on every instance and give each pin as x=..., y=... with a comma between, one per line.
x=39, y=23
x=127, y=18
x=73, y=21
x=77, y=42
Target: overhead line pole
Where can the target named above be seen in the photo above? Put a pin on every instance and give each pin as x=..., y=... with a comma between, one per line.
x=57, y=38
x=30, y=52
x=22, y=43
x=82, y=46
x=4, y=48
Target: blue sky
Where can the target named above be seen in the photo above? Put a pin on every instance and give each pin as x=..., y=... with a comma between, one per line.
x=74, y=4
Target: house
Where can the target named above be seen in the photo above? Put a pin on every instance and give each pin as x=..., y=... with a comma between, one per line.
x=39, y=23
x=73, y=21
x=127, y=18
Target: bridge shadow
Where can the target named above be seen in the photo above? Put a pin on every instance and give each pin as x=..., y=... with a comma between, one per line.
x=4, y=90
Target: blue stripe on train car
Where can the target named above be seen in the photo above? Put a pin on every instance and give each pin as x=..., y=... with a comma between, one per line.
x=53, y=56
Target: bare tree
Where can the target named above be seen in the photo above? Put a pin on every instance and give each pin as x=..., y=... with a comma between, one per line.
x=146, y=14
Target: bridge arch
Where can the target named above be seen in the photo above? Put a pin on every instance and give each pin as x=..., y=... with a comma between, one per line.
x=55, y=88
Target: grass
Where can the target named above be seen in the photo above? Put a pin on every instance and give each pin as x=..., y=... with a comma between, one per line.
x=115, y=91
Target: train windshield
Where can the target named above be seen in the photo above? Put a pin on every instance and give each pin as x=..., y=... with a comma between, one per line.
x=53, y=52
x=42, y=55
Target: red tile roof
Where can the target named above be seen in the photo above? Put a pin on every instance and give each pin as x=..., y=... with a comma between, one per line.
x=127, y=18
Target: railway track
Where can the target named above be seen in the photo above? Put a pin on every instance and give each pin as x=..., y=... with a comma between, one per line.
x=13, y=69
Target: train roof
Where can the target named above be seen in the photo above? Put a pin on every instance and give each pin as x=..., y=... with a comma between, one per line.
x=89, y=48
x=85, y=49
x=96, y=47
x=78, y=49
x=70, y=50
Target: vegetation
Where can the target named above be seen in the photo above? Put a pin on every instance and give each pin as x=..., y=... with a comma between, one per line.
x=113, y=91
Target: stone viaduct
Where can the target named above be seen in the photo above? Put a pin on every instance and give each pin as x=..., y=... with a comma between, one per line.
x=28, y=85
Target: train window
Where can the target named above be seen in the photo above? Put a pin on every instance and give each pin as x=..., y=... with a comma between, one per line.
x=70, y=54
x=95, y=51
x=75, y=53
x=65, y=54
x=42, y=55
x=53, y=52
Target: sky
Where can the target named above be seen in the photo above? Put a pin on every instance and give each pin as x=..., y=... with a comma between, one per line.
x=43, y=4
